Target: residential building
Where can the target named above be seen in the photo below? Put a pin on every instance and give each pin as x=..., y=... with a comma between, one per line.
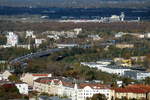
x=12, y=39
x=30, y=77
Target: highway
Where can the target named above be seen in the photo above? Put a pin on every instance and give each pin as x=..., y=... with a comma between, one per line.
x=33, y=55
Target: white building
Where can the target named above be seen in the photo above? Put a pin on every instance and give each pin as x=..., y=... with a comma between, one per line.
x=88, y=90
x=12, y=39
x=22, y=87
x=107, y=68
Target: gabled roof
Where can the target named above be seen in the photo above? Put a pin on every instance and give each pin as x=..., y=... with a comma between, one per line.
x=93, y=85
x=141, y=86
x=40, y=74
x=130, y=90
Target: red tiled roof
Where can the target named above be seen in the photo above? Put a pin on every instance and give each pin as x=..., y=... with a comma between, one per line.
x=8, y=85
x=130, y=90
x=39, y=74
x=145, y=87
x=96, y=86
x=43, y=81
x=68, y=84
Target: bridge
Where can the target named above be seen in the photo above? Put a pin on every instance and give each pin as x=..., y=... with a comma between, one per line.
x=33, y=55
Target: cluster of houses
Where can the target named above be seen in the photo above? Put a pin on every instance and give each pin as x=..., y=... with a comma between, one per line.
x=72, y=88
x=65, y=34
x=13, y=40
x=124, y=70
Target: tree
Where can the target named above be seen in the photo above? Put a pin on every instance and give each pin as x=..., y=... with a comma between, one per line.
x=13, y=78
x=147, y=80
x=126, y=81
x=3, y=39
x=99, y=97
x=9, y=91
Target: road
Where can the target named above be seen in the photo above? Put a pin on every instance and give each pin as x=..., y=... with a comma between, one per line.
x=33, y=55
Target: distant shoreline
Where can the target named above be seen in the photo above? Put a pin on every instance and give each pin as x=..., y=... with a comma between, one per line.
x=71, y=13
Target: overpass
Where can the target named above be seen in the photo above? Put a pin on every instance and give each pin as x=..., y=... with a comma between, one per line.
x=33, y=55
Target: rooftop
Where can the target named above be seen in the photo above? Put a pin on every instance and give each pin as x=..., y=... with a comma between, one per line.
x=130, y=90
x=134, y=88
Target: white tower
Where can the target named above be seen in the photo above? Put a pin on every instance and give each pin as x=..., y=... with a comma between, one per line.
x=139, y=19
x=122, y=16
